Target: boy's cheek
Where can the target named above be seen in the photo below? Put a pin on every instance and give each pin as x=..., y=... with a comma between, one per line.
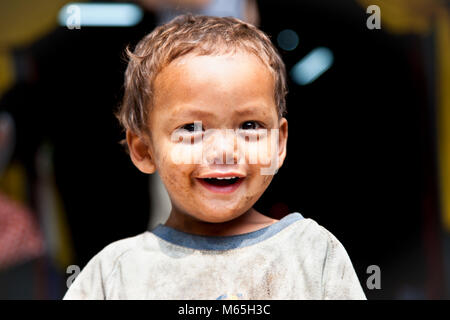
x=183, y=153
x=262, y=152
x=176, y=178
x=258, y=152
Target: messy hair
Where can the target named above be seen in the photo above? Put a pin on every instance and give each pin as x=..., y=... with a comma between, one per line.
x=202, y=35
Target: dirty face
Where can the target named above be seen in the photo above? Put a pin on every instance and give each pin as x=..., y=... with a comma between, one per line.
x=222, y=108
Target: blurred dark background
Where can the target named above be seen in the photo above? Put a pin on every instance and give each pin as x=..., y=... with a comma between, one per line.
x=365, y=143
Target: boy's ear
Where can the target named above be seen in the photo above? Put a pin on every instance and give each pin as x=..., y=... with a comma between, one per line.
x=282, y=141
x=140, y=153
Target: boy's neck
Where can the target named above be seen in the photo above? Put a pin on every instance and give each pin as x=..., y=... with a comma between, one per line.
x=249, y=221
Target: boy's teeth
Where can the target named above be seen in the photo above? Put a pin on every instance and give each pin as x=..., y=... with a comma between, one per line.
x=227, y=178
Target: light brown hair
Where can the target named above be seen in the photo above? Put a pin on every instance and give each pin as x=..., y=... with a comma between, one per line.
x=202, y=35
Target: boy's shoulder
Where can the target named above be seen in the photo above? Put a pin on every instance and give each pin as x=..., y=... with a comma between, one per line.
x=89, y=284
x=121, y=247
x=308, y=238
x=310, y=229
x=112, y=253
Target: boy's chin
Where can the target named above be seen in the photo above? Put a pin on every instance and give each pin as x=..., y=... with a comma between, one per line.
x=212, y=216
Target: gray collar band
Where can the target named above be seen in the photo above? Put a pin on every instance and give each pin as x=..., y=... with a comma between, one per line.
x=199, y=242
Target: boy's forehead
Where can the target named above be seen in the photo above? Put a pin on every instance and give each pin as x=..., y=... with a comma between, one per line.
x=221, y=69
x=211, y=83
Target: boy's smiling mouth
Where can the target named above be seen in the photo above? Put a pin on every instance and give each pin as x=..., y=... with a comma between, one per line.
x=220, y=182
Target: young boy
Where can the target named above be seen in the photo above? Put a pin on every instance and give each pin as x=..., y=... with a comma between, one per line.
x=203, y=105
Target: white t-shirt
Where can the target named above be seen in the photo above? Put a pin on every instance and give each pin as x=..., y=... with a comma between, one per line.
x=294, y=258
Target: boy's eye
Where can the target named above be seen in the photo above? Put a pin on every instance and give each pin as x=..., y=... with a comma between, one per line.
x=250, y=125
x=191, y=127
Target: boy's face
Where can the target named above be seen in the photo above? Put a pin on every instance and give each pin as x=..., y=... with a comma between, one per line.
x=232, y=92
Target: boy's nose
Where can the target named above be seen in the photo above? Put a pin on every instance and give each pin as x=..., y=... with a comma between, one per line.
x=220, y=146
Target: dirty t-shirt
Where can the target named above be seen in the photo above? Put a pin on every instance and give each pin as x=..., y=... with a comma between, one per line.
x=294, y=258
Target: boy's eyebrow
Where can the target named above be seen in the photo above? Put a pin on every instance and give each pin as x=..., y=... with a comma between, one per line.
x=190, y=112
x=248, y=110
x=194, y=112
